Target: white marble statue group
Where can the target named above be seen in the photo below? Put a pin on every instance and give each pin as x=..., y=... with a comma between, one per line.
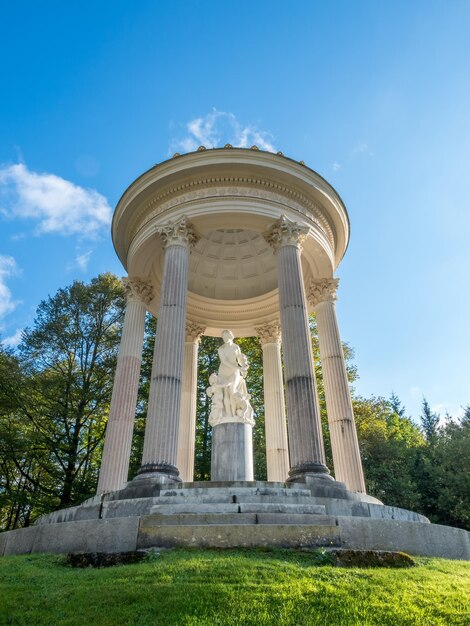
x=227, y=390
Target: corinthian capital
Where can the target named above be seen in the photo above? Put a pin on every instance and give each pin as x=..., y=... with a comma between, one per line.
x=285, y=233
x=194, y=331
x=322, y=290
x=137, y=289
x=269, y=333
x=178, y=233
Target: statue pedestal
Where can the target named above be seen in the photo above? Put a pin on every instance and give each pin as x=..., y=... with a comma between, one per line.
x=232, y=452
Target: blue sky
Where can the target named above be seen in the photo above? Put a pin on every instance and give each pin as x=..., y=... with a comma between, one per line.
x=375, y=96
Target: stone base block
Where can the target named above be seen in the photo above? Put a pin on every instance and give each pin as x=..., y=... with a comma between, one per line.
x=233, y=536
x=404, y=536
x=232, y=452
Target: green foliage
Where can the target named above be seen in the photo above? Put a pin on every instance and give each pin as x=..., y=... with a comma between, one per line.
x=58, y=399
x=388, y=444
x=429, y=423
x=233, y=588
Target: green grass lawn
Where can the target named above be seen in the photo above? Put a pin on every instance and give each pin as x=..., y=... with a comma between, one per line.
x=232, y=587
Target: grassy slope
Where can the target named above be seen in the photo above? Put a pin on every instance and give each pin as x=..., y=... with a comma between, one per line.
x=232, y=587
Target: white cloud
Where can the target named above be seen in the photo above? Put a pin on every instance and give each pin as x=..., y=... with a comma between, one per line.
x=81, y=261
x=363, y=148
x=13, y=340
x=336, y=166
x=56, y=205
x=8, y=268
x=218, y=128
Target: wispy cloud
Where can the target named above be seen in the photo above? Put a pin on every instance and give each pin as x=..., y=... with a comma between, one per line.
x=54, y=204
x=81, y=261
x=363, y=148
x=218, y=128
x=13, y=340
x=8, y=268
x=336, y=166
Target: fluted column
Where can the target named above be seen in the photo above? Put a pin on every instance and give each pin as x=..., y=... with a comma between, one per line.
x=275, y=425
x=307, y=455
x=119, y=431
x=161, y=430
x=187, y=426
x=344, y=444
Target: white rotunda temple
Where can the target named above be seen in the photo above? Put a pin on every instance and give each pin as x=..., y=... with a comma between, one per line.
x=240, y=239
x=232, y=242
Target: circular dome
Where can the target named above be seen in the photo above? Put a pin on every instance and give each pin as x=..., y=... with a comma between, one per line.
x=232, y=264
x=230, y=197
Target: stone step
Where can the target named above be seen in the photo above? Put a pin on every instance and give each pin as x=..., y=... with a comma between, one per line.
x=269, y=499
x=280, y=507
x=226, y=507
x=189, y=507
x=295, y=518
x=199, y=519
x=232, y=498
x=235, y=491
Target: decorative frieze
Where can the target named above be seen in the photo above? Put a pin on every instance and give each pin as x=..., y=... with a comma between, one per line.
x=232, y=186
x=194, y=332
x=322, y=290
x=178, y=233
x=138, y=289
x=286, y=233
x=269, y=333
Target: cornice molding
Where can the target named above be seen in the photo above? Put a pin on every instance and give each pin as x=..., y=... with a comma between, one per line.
x=230, y=186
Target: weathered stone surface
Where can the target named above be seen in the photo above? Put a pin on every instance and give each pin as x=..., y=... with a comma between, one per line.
x=3, y=543
x=260, y=507
x=127, y=508
x=73, y=513
x=273, y=499
x=20, y=541
x=111, y=535
x=370, y=558
x=104, y=559
x=217, y=507
x=152, y=534
x=198, y=519
x=405, y=536
x=295, y=518
x=232, y=452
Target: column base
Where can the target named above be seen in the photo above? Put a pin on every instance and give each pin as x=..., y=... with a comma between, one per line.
x=159, y=472
x=302, y=473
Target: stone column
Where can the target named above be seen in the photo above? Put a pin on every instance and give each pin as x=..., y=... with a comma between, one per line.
x=119, y=431
x=344, y=444
x=161, y=430
x=307, y=455
x=187, y=427
x=277, y=453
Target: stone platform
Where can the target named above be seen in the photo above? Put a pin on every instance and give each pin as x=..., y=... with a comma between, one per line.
x=237, y=514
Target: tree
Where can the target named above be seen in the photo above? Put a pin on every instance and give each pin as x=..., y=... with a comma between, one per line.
x=429, y=423
x=66, y=362
x=396, y=405
x=388, y=443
